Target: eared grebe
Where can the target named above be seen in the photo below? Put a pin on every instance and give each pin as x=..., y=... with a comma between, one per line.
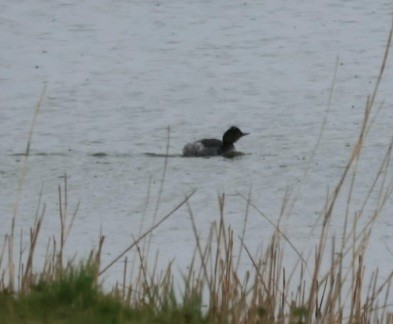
x=212, y=146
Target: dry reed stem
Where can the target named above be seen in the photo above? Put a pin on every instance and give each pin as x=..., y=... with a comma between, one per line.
x=352, y=160
x=150, y=230
x=244, y=229
x=160, y=190
x=11, y=265
x=199, y=249
x=291, y=199
x=34, y=232
x=276, y=227
x=63, y=216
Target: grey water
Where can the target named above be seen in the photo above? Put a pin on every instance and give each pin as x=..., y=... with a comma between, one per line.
x=120, y=73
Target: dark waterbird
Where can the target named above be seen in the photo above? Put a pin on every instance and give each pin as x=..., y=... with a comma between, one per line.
x=214, y=147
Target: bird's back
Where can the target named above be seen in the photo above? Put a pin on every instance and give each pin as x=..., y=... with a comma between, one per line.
x=204, y=147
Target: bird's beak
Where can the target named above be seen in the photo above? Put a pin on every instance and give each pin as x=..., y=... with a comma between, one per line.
x=244, y=134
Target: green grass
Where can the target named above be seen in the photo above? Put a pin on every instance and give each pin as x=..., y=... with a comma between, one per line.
x=75, y=297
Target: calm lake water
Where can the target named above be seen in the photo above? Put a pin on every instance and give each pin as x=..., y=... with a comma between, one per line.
x=118, y=73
